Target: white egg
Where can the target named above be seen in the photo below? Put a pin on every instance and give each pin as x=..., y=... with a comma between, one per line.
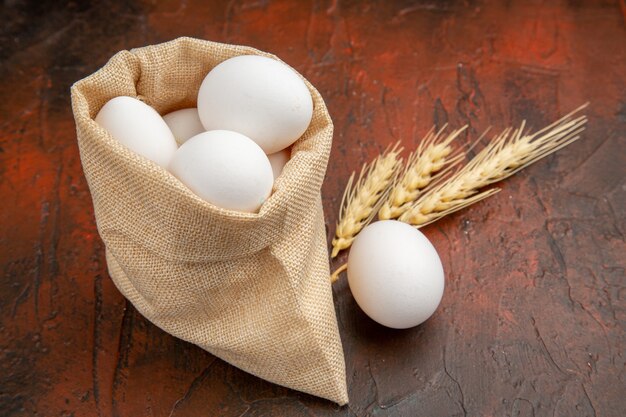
x=259, y=97
x=226, y=169
x=279, y=160
x=184, y=124
x=138, y=127
x=395, y=274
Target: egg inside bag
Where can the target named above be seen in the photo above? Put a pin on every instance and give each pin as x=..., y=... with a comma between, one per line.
x=198, y=237
x=184, y=124
x=278, y=160
x=259, y=97
x=139, y=127
x=224, y=168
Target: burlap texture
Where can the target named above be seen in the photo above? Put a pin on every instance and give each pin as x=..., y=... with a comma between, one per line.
x=252, y=289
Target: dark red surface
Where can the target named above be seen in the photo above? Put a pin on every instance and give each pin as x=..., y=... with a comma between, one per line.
x=534, y=314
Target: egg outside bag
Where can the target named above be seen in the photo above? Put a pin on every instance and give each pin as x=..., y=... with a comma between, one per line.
x=252, y=289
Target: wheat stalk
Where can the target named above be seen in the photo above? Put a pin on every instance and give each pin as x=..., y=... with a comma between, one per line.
x=423, y=166
x=360, y=200
x=508, y=153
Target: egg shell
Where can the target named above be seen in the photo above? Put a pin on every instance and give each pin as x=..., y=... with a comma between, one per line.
x=225, y=168
x=395, y=274
x=259, y=97
x=138, y=127
x=278, y=160
x=184, y=124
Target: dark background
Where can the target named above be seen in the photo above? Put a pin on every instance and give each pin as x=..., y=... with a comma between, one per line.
x=532, y=321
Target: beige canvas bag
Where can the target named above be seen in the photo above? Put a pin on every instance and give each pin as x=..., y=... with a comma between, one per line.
x=252, y=289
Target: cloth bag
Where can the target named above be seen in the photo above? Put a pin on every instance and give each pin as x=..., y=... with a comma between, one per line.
x=252, y=289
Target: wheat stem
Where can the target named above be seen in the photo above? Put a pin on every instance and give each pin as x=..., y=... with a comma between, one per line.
x=335, y=275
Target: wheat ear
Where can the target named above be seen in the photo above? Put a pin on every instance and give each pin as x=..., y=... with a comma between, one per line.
x=508, y=153
x=361, y=198
x=423, y=166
